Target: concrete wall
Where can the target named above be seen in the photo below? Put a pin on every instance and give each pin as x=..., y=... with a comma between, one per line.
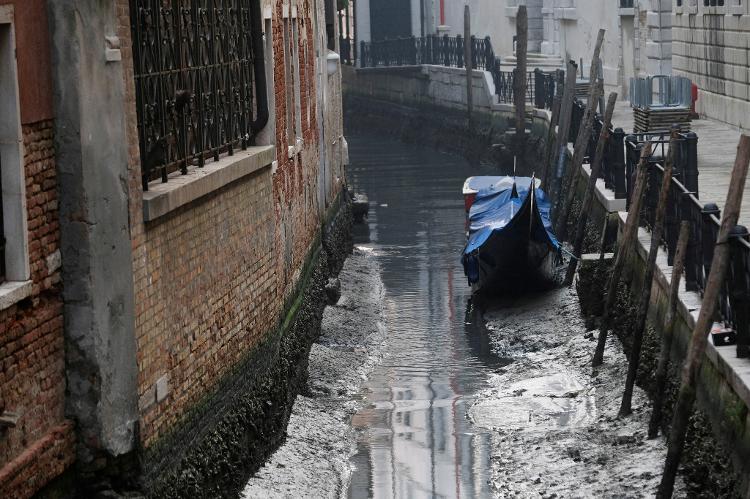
x=710, y=48
x=428, y=85
x=92, y=157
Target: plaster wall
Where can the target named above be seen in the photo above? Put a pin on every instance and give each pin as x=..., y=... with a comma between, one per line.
x=92, y=161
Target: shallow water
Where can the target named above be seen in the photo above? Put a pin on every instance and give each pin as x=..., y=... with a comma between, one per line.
x=416, y=440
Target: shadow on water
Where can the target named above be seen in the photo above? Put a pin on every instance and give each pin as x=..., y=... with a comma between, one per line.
x=416, y=440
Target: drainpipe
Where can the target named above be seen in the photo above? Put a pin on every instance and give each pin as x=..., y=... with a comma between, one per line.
x=259, y=69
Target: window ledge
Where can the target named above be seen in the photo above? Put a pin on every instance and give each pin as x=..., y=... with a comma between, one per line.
x=163, y=198
x=628, y=11
x=11, y=292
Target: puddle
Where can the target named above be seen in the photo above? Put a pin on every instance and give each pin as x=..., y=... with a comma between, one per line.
x=538, y=404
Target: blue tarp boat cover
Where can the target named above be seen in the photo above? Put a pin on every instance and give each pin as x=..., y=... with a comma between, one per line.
x=495, y=206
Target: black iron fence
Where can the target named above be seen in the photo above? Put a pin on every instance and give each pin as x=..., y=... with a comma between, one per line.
x=194, y=81
x=704, y=218
x=432, y=49
x=621, y=157
x=449, y=51
x=614, y=169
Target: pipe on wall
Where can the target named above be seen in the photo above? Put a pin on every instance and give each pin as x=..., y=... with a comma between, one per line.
x=259, y=69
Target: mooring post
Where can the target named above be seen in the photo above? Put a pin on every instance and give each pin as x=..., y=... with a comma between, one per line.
x=469, y=68
x=566, y=108
x=550, y=144
x=618, y=163
x=584, y=133
x=666, y=337
x=621, y=252
x=690, y=174
x=519, y=79
x=596, y=167
x=699, y=339
x=739, y=289
x=645, y=298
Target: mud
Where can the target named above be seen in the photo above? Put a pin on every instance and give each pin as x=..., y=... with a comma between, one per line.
x=314, y=459
x=556, y=430
x=706, y=464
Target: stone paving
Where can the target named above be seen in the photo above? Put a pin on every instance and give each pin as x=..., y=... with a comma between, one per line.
x=717, y=148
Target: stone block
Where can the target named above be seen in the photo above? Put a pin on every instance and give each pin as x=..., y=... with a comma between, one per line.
x=162, y=388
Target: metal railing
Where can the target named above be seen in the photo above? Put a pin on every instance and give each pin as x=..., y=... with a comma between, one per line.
x=704, y=218
x=618, y=171
x=432, y=49
x=449, y=51
x=193, y=63
x=614, y=169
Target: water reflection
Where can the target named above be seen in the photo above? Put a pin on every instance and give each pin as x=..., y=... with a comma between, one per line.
x=416, y=439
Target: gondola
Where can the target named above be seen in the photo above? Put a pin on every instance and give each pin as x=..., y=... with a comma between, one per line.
x=509, y=232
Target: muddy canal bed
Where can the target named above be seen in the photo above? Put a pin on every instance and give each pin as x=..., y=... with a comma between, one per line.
x=314, y=460
x=555, y=427
x=417, y=390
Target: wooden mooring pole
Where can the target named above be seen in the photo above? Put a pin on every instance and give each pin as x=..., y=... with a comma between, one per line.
x=666, y=338
x=550, y=144
x=699, y=339
x=645, y=298
x=519, y=79
x=596, y=89
x=561, y=141
x=596, y=167
x=469, y=68
x=621, y=252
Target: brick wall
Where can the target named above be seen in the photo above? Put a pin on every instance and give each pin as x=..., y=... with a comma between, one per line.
x=32, y=376
x=711, y=50
x=211, y=279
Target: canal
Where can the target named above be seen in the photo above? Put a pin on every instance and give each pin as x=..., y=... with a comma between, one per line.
x=415, y=439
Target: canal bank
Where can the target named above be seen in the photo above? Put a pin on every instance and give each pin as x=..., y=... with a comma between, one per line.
x=313, y=461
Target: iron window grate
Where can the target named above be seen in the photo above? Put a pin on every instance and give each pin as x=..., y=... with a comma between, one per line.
x=193, y=62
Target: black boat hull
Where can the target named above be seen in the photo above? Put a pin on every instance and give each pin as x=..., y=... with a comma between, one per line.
x=517, y=253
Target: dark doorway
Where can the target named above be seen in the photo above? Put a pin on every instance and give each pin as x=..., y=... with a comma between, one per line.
x=390, y=18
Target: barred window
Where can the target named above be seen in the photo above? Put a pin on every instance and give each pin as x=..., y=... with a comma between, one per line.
x=195, y=89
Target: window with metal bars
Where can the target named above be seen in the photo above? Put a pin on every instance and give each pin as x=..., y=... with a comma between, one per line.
x=194, y=78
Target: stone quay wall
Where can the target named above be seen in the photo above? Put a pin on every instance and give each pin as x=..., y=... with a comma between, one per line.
x=710, y=48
